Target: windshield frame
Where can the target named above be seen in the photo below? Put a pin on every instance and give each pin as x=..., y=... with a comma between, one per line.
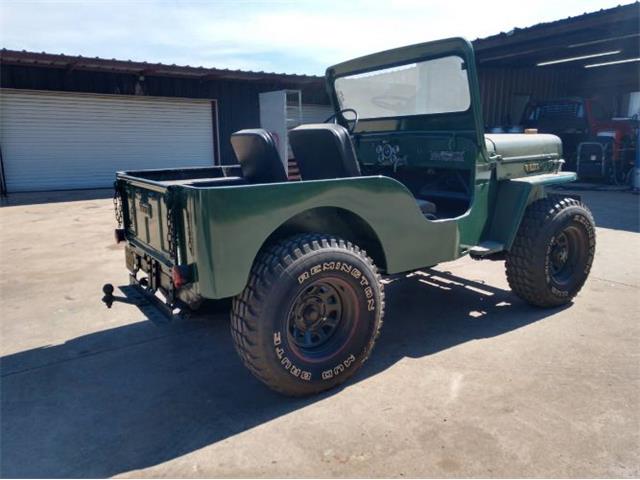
x=470, y=123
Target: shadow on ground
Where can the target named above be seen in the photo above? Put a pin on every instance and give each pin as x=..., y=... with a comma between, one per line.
x=139, y=395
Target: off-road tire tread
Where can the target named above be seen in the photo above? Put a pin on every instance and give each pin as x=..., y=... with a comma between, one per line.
x=523, y=255
x=270, y=263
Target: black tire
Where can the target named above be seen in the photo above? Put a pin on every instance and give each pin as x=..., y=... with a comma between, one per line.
x=310, y=314
x=553, y=251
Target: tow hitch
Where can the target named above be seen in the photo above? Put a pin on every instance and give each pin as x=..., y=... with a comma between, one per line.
x=138, y=293
x=108, y=298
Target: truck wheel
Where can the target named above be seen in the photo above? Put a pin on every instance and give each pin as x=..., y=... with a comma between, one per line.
x=309, y=315
x=553, y=251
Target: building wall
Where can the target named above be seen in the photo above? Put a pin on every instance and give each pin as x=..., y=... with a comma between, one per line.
x=237, y=100
x=612, y=86
x=500, y=85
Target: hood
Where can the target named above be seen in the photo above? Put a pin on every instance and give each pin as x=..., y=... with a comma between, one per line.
x=524, y=146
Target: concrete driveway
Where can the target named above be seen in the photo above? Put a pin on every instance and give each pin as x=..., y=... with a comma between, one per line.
x=466, y=379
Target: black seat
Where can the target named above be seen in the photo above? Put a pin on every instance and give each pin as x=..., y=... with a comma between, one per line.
x=325, y=150
x=258, y=156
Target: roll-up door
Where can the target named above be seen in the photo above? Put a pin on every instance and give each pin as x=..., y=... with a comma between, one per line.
x=55, y=140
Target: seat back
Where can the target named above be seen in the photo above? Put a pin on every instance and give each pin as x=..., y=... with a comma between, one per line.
x=323, y=150
x=258, y=156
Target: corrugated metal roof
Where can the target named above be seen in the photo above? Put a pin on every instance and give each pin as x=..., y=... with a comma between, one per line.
x=79, y=62
x=623, y=11
x=615, y=31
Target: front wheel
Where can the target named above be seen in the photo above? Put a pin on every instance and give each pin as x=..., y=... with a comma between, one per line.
x=309, y=315
x=553, y=251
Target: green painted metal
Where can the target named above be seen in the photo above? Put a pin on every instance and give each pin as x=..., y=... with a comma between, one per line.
x=520, y=154
x=232, y=224
x=513, y=197
x=221, y=229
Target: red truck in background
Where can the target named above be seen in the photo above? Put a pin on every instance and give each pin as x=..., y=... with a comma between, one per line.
x=596, y=145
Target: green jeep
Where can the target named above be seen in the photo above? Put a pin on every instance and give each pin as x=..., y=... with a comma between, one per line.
x=402, y=177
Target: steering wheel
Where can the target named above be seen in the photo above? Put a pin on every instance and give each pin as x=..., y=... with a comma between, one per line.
x=351, y=124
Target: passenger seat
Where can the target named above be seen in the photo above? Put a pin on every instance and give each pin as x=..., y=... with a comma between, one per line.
x=325, y=150
x=258, y=156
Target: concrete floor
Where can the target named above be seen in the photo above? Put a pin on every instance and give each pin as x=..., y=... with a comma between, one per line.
x=466, y=379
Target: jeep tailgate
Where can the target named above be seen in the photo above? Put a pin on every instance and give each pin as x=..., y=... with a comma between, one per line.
x=148, y=217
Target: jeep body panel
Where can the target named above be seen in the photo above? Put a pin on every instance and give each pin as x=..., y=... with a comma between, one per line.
x=513, y=197
x=233, y=223
x=222, y=229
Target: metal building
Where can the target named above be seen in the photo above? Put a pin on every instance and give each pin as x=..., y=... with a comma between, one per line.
x=71, y=122
x=591, y=55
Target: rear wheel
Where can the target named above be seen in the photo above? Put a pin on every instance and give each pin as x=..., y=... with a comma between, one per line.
x=553, y=252
x=309, y=315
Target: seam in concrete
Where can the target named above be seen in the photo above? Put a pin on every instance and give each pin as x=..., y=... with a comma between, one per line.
x=616, y=282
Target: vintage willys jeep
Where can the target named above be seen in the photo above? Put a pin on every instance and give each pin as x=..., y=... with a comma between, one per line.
x=402, y=178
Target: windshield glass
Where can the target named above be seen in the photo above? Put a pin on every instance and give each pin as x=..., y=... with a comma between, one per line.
x=432, y=86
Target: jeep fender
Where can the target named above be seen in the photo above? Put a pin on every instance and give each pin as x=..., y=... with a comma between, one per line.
x=512, y=198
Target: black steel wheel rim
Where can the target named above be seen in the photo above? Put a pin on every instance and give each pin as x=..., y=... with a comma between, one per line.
x=321, y=318
x=564, y=255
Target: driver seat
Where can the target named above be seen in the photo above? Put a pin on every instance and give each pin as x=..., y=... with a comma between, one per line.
x=257, y=153
x=325, y=150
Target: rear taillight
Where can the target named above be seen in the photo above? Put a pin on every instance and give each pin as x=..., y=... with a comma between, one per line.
x=180, y=275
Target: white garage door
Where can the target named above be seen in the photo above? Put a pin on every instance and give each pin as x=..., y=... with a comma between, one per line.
x=56, y=140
